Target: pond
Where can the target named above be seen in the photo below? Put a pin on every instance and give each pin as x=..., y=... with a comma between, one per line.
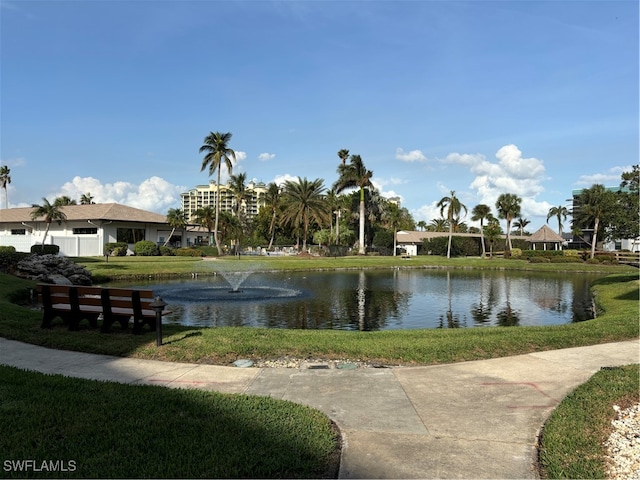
x=378, y=299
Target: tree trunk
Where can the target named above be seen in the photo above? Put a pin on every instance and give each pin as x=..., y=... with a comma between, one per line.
x=450, y=236
x=594, y=240
x=361, y=250
x=215, y=227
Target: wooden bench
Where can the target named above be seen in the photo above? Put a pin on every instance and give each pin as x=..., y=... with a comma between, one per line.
x=75, y=303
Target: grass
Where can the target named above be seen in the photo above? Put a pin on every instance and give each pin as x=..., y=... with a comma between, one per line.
x=616, y=294
x=127, y=431
x=571, y=443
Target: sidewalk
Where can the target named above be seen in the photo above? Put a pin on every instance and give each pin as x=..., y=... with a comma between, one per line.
x=475, y=419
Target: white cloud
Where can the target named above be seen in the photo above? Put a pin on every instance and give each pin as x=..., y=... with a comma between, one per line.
x=412, y=156
x=609, y=178
x=264, y=157
x=281, y=179
x=154, y=194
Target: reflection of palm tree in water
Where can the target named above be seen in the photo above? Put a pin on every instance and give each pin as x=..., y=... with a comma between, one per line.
x=453, y=321
x=362, y=288
x=508, y=317
x=481, y=311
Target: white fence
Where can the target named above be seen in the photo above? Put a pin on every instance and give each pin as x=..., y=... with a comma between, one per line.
x=76, y=246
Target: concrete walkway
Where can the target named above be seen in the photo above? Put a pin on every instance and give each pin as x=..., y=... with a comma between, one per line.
x=475, y=419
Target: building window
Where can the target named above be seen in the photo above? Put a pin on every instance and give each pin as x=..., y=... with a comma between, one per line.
x=85, y=231
x=18, y=231
x=130, y=235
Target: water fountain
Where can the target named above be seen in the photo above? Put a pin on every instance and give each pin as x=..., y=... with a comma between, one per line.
x=235, y=275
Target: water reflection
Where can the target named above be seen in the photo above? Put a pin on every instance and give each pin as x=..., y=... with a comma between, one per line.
x=389, y=299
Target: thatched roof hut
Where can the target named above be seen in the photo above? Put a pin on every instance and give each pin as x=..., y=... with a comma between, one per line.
x=545, y=236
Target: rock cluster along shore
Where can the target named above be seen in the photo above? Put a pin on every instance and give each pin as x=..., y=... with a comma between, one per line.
x=52, y=269
x=623, y=445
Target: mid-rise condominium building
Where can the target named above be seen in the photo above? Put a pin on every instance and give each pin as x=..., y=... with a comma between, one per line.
x=207, y=195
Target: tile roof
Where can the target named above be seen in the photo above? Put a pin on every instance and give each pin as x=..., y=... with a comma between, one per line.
x=98, y=211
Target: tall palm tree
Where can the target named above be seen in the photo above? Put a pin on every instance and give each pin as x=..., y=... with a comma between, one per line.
x=343, y=155
x=595, y=202
x=521, y=224
x=207, y=217
x=176, y=220
x=217, y=152
x=454, y=207
x=304, y=203
x=86, y=199
x=508, y=206
x=422, y=225
x=51, y=212
x=273, y=200
x=560, y=212
x=355, y=175
x=238, y=189
x=5, y=179
x=481, y=212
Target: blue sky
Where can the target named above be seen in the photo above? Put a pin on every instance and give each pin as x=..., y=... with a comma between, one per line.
x=115, y=97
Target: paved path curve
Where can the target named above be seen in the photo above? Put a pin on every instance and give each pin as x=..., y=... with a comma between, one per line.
x=476, y=419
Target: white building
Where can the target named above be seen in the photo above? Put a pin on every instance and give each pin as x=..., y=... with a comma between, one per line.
x=207, y=195
x=86, y=230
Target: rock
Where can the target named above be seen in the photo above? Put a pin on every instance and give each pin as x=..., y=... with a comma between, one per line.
x=52, y=269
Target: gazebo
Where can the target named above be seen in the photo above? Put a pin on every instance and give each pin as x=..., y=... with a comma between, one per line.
x=546, y=236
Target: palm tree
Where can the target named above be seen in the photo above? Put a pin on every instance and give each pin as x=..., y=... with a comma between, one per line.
x=51, y=212
x=355, y=175
x=481, y=212
x=207, y=217
x=303, y=204
x=438, y=225
x=520, y=224
x=273, y=199
x=64, y=201
x=508, y=206
x=176, y=220
x=560, y=212
x=217, y=153
x=396, y=218
x=492, y=232
x=454, y=207
x=422, y=225
x=238, y=189
x=86, y=199
x=595, y=202
x=5, y=179
x=343, y=155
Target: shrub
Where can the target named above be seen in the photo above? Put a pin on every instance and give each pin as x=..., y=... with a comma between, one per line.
x=539, y=260
x=568, y=259
x=189, y=252
x=571, y=253
x=9, y=256
x=209, y=251
x=146, y=248
x=166, y=251
x=516, y=252
x=45, y=249
x=460, y=246
x=116, y=249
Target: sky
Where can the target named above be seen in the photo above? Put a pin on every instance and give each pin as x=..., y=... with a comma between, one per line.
x=115, y=98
